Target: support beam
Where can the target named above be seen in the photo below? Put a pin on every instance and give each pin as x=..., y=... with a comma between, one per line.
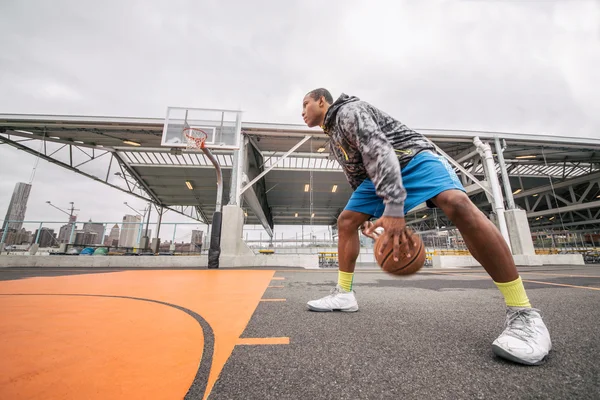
x=568, y=203
x=565, y=209
x=462, y=169
x=505, y=181
x=548, y=202
x=537, y=202
x=548, y=188
x=580, y=215
x=237, y=172
x=572, y=193
x=485, y=152
x=306, y=138
x=465, y=155
x=137, y=177
x=67, y=166
x=587, y=191
x=201, y=212
x=556, y=226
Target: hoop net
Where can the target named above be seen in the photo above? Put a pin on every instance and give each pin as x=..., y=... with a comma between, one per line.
x=195, y=138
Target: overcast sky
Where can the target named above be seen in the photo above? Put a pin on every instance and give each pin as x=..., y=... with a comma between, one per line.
x=519, y=66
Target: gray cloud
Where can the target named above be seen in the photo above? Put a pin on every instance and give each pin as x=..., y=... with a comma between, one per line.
x=522, y=66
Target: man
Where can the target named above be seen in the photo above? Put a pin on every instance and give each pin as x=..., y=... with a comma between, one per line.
x=392, y=169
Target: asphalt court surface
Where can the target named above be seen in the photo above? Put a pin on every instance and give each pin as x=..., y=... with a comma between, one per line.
x=247, y=334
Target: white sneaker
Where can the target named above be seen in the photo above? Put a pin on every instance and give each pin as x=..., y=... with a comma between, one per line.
x=525, y=339
x=338, y=300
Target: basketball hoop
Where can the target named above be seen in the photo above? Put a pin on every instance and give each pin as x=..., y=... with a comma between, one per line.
x=195, y=138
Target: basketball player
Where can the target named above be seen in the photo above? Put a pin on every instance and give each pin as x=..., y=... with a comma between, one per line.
x=392, y=169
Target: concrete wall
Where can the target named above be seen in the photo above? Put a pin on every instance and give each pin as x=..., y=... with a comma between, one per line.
x=103, y=261
x=309, y=261
x=468, y=261
x=519, y=232
x=273, y=260
x=365, y=255
x=231, y=232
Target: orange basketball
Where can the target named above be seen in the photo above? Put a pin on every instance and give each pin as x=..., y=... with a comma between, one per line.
x=408, y=262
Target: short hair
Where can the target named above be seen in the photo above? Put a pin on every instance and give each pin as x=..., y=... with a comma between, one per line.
x=318, y=93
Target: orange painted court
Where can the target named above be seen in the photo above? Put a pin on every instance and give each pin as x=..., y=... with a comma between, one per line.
x=131, y=334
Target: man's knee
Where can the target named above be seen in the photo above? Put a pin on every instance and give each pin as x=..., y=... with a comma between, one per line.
x=350, y=221
x=455, y=204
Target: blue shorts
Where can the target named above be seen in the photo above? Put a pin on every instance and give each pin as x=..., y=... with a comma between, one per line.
x=424, y=177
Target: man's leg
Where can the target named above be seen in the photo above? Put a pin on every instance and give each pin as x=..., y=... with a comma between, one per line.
x=348, y=241
x=484, y=240
x=525, y=339
x=342, y=298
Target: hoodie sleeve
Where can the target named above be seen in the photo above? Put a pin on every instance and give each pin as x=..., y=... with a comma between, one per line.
x=379, y=157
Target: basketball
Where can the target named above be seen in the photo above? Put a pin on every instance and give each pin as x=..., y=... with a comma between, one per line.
x=406, y=264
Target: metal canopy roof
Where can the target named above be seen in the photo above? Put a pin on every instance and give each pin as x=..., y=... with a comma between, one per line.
x=158, y=174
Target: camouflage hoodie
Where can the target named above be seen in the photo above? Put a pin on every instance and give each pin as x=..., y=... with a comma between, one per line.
x=368, y=143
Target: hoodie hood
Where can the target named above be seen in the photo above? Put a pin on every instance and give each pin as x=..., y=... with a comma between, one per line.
x=329, y=121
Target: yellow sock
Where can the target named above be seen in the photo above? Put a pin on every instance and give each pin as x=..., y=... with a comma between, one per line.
x=514, y=293
x=345, y=280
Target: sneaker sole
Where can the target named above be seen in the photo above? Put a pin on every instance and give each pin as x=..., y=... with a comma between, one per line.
x=499, y=351
x=311, y=308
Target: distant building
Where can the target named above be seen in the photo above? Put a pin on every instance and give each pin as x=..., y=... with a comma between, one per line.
x=184, y=247
x=17, y=207
x=64, y=234
x=97, y=228
x=47, y=238
x=179, y=247
x=85, y=238
x=130, y=231
x=113, y=237
x=197, y=237
x=17, y=237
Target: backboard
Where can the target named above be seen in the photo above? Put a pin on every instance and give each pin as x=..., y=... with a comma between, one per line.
x=223, y=127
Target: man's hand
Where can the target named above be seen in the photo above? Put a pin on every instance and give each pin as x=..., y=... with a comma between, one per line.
x=394, y=229
x=365, y=226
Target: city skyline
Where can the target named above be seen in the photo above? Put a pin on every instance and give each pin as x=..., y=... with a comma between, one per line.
x=183, y=230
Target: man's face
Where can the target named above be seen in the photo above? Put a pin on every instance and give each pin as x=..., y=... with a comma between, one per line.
x=313, y=111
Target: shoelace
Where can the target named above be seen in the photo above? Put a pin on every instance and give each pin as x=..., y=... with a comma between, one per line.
x=519, y=325
x=336, y=290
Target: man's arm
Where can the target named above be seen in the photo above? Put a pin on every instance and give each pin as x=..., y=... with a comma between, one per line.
x=383, y=168
x=378, y=156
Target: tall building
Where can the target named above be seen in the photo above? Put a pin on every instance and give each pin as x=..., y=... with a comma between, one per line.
x=113, y=237
x=47, y=238
x=97, y=228
x=17, y=207
x=64, y=234
x=197, y=236
x=130, y=231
